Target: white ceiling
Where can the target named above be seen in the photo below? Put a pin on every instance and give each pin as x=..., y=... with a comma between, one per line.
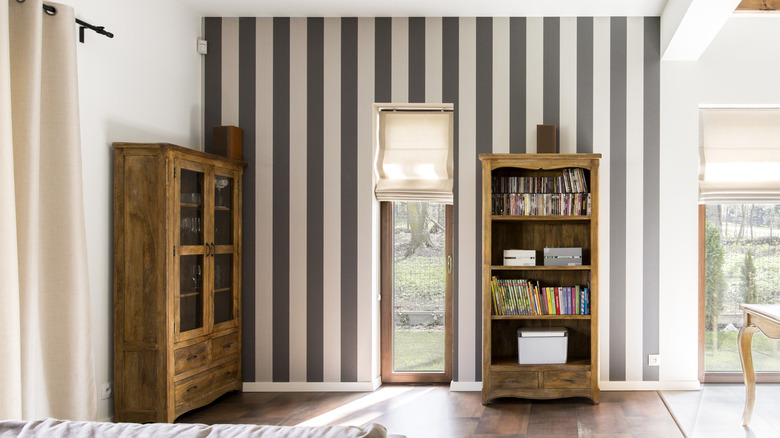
x=425, y=8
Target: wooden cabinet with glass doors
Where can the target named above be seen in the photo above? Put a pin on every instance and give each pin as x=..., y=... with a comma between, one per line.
x=177, y=280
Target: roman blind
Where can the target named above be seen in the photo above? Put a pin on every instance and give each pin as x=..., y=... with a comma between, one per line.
x=739, y=155
x=414, y=155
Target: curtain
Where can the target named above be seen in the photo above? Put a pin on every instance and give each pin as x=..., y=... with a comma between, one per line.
x=414, y=156
x=46, y=368
x=739, y=155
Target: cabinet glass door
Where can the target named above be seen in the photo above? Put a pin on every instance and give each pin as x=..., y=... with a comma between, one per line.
x=225, y=196
x=223, y=210
x=192, y=263
x=191, y=293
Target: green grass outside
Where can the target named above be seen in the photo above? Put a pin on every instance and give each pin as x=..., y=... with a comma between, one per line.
x=419, y=350
x=726, y=357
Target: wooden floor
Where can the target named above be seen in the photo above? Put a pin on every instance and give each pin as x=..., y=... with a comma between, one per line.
x=435, y=411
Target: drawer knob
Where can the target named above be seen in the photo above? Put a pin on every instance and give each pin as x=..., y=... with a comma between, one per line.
x=193, y=357
x=192, y=388
x=226, y=346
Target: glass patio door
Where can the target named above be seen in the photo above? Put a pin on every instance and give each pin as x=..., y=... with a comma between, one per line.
x=416, y=292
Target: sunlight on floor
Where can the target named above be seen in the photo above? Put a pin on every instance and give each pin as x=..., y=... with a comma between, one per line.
x=344, y=415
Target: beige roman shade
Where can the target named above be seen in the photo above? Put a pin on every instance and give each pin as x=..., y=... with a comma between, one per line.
x=739, y=155
x=414, y=156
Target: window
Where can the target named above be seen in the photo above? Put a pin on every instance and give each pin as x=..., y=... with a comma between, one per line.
x=414, y=174
x=739, y=189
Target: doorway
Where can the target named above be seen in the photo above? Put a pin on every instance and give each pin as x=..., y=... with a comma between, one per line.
x=416, y=291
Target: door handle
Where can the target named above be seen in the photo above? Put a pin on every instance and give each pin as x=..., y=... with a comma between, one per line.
x=449, y=264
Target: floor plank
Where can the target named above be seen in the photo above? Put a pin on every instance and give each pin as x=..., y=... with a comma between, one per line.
x=432, y=411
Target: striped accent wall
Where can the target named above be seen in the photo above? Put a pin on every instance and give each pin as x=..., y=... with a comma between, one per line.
x=303, y=90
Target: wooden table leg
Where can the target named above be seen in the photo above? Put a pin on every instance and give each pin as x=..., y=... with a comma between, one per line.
x=746, y=358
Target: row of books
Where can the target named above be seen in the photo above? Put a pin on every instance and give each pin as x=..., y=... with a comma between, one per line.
x=572, y=180
x=523, y=297
x=563, y=204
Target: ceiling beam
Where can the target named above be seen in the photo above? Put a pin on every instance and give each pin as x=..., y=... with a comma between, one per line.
x=751, y=6
x=688, y=26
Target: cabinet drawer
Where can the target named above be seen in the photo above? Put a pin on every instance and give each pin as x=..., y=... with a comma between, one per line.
x=225, y=375
x=193, y=388
x=515, y=380
x=567, y=379
x=224, y=346
x=189, y=358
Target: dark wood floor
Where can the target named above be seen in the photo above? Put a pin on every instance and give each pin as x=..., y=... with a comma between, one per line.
x=435, y=411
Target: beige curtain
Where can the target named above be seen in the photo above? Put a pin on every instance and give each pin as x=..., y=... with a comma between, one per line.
x=414, y=156
x=46, y=367
x=739, y=155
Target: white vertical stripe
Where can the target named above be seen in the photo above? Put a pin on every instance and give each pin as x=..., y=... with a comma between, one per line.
x=433, y=59
x=567, y=131
x=368, y=253
x=534, y=80
x=468, y=254
x=601, y=95
x=331, y=335
x=229, y=72
x=400, y=59
x=264, y=174
x=298, y=155
x=634, y=201
x=501, y=85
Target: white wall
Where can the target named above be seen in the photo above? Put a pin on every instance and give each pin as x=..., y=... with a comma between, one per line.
x=738, y=68
x=144, y=85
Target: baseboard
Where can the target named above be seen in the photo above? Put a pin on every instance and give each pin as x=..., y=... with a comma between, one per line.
x=679, y=385
x=465, y=386
x=310, y=386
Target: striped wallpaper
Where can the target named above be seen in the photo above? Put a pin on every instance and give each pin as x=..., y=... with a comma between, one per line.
x=302, y=89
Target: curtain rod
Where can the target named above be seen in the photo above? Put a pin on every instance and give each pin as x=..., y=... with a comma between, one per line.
x=51, y=10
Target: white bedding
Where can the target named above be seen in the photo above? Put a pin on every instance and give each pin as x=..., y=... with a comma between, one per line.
x=51, y=428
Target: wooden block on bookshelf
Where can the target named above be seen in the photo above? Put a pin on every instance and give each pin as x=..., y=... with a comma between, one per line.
x=545, y=139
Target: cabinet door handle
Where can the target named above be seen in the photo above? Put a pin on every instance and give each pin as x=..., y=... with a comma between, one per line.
x=192, y=388
x=213, y=249
x=193, y=357
x=208, y=250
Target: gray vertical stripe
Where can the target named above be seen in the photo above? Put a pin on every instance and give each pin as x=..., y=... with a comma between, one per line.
x=212, y=111
x=551, y=112
x=484, y=131
x=617, y=214
x=651, y=196
x=246, y=120
x=449, y=92
x=349, y=200
x=517, y=67
x=281, y=163
x=314, y=199
x=416, y=59
x=585, y=85
x=383, y=59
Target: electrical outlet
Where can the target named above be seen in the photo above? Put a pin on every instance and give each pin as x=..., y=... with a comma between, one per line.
x=654, y=360
x=105, y=391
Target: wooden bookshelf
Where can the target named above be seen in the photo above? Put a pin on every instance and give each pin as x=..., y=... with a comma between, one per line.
x=502, y=375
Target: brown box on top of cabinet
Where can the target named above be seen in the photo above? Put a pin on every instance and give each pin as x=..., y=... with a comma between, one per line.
x=227, y=141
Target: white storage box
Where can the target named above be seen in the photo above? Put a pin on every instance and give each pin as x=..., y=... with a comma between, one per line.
x=542, y=345
x=519, y=257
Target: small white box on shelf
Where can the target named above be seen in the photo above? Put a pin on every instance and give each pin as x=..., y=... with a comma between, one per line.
x=519, y=257
x=542, y=345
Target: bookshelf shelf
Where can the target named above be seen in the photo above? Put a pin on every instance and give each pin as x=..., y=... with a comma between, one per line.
x=540, y=268
x=572, y=177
